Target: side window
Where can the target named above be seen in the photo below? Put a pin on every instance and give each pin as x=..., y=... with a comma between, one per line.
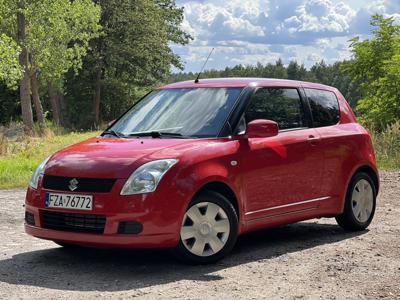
x=324, y=107
x=277, y=104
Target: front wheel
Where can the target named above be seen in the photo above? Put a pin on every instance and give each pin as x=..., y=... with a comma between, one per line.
x=360, y=203
x=209, y=229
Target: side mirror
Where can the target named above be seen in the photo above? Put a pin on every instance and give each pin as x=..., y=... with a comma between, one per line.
x=262, y=129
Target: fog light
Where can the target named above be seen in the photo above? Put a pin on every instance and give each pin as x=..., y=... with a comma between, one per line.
x=29, y=218
x=130, y=227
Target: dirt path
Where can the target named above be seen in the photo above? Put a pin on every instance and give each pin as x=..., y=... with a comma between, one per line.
x=308, y=260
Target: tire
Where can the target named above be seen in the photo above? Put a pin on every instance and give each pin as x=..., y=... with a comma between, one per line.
x=206, y=239
x=360, y=204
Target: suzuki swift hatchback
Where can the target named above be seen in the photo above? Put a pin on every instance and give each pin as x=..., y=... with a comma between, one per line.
x=193, y=165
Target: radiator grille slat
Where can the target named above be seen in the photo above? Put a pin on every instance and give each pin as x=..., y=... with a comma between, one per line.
x=93, y=185
x=74, y=222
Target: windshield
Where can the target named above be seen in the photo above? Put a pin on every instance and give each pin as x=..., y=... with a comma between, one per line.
x=192, y=112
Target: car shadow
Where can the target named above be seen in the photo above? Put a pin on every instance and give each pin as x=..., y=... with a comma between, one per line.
x=119, y=270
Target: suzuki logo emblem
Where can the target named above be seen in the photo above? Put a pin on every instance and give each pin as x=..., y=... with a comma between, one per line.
x=73, y=184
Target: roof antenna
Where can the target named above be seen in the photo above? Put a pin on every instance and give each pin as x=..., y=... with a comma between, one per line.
x=198, y=74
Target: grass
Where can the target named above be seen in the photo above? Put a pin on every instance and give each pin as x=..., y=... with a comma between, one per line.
x=387, y=147
x=19, y=159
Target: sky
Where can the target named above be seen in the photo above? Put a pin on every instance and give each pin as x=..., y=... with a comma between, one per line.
x=251, y=31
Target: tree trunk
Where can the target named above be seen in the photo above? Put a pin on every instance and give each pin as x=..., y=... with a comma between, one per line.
x=55, y=103
x=97, y=97
x=63, y=110
x=36, y=100
x=24, y=90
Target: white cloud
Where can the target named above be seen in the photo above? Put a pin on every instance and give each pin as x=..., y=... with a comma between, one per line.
x=217, y=21
x=390, y=8
x=314, y=57
x=322, y=15
x=248, y=31
x=387, y=8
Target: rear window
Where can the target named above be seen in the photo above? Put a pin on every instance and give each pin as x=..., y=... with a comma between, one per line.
x=324, y=107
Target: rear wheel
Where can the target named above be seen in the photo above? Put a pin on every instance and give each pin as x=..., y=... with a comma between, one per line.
x=360, y=203
x=209, y=229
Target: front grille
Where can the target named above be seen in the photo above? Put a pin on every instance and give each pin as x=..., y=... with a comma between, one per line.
x=29, y=218
x=92, y=185
x=73, y=222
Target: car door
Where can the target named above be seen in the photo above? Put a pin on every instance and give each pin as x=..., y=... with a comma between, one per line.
x=281, y=173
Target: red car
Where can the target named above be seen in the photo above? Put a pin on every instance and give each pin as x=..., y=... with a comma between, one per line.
x=193, y=165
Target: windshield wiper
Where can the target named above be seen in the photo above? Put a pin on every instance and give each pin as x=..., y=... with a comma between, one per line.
x=157, y=134
x=114, y=133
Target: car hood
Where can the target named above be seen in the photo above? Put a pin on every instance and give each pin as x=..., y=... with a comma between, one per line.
x=112, y=157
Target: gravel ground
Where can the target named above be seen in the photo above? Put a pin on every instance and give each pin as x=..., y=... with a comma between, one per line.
x=307, y=260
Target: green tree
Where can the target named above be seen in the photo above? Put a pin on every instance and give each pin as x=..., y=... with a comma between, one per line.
x=376, y=65
x=52, y=36
x=135, y=48
x=10, y=70
x=320, y=71
x=63, y=29
x=296, y=71
x=279, y=70
x=8, y=104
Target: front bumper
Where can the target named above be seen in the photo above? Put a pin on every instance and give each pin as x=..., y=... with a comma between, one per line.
x=161, y=218
x=110, y=240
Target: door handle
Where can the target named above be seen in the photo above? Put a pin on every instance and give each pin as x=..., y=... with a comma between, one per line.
x=313, y=140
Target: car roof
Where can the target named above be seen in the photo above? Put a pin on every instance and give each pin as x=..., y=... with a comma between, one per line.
x=244, y=82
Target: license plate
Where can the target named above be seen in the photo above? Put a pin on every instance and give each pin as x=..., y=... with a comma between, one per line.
x=69, y=201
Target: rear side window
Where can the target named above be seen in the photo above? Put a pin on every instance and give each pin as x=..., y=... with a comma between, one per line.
x=324, y=107
x=280, y=105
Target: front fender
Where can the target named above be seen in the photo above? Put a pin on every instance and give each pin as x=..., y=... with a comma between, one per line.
x=195, y=177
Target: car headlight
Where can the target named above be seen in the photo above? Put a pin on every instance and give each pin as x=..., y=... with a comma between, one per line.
x=146, y=178
x=39, y=172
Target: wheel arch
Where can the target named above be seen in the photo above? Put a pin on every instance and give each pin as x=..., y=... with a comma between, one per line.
x=223, y=189
x=366, y=168
x=371, y=172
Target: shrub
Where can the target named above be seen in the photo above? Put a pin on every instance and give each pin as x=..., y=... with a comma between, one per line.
x=387, y=146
